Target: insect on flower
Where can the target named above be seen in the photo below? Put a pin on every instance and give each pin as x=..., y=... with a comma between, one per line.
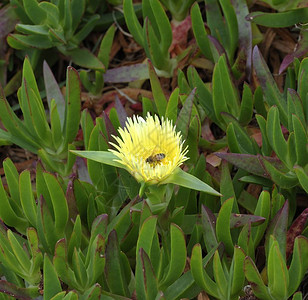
x=155, y=159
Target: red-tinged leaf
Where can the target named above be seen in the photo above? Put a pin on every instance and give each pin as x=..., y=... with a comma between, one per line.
x=301, y=50
x=109, y=126
x=115, y=276
x=127, y=73
x=8, y=20
x=122, y=115
x=217, y=46
x=244, y=31
x=295, y=230
x=150, y=280
x=251, y=163
x=71, y=201
x=183, y=120
x=179, y=33
x=239, y=220
x=53, y=91
x=18, y=292
x=254, y=278
x=269, y=86
x=278, y=228
x=209, y=228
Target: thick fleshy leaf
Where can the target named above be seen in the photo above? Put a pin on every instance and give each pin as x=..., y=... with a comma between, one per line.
x=149, y=279
x=281, y=19
x=295, y=230
x=18, y=292
x=209, y=228
x=251, y=163
x=53, y=91
x=178, y=257
x=184, y=117
x=299, y=264
x=104, y=157
x=270, y=89
x=52, y=284
x=278, y=228
x=84, y=58
x=197, y=269
x=223, y=226
x=187, y=180
x=115, y=277
x=254, y=278
x=127, y=73
x=278, y=277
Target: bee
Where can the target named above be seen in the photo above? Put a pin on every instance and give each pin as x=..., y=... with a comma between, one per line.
x=155, y=159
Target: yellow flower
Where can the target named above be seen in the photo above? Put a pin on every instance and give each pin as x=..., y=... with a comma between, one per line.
x=149, y=149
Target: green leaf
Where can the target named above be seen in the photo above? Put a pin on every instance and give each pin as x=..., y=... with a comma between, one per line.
x=300, y=141
x=254, y=278
x=36, y=14
x=64, y=272
x=185, y=179
x=11, y=175
x=158, y=94
x=149, y=279
x=26, y=197
x=147, y=241
x=278, y=229
x=200, y=32
x=104, y=157
x=177, y=259
x=58, y=200
x=209, y=228
x=114, y=272
x=55, y=123
x=220, y=276
x=270, y=89
x=223, y=226
x=284, y=180
x=53, y=92
x=263, y=210
x=231, y=27
x=246, y=109
x=266, y=148
x=172, y=106
x=32, y=29
x=95, y=260
x=105, y=47
x=280, y=19
x=299, y=264
x=298, y=296
x=72, y=105
x=132, y=22
x=52, y=284
x=278, y=277
x=163, y=24
x=84, y=58
x=275, y=135
x=225, y=97
x=77, y=11
x=198, y=272
x=184, y=119
x=8, y=214
x=238, y=276
x=302, y=177
x=21, y=256
x=23, y=42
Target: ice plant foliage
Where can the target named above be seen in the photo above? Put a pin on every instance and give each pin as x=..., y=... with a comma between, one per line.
x=149, y=149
